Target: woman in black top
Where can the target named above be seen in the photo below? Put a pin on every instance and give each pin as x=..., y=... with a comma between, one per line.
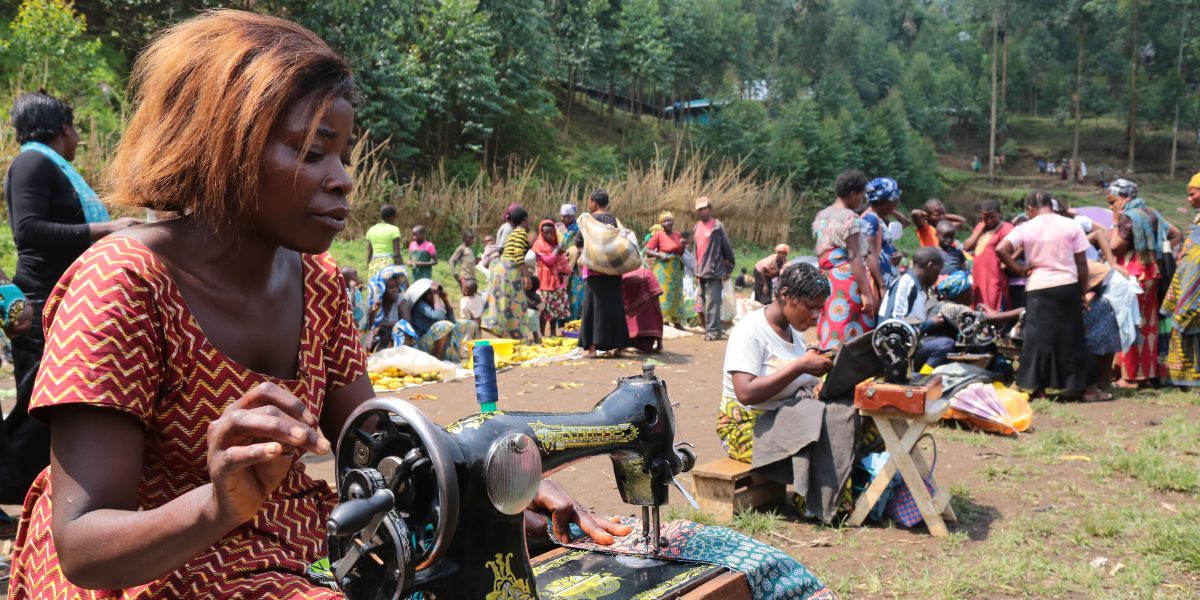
x=602, y=325
x=50, y=232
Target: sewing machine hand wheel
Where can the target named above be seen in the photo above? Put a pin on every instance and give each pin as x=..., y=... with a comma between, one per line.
x=389, y=448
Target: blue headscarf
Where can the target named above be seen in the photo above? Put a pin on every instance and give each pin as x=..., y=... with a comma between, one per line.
x=953, y=285
x=379, y=286
x=93, y=209
x=1150, y=229
x=882, y=189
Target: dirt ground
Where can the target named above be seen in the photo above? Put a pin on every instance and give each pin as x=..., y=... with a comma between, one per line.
x=1054, y=513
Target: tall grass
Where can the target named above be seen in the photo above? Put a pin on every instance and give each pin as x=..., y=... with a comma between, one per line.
x=752, y=211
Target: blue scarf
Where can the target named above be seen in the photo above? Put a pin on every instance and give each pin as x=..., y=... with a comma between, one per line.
x=1150, y=229
x=93, y=210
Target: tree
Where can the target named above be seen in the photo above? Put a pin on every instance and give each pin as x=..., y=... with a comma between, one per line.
x=372, y=35
x=48, y=47
x=577, y=37
x=643, y=50
x=455, y=53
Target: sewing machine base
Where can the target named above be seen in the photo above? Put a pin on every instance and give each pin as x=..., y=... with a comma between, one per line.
x=568, y=573
x=910, y=398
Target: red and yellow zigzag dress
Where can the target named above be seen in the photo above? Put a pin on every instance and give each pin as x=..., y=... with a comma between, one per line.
x=120, y=336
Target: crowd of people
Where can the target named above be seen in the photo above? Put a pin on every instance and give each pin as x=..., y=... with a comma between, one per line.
x=522, y=285
x=1091, y=307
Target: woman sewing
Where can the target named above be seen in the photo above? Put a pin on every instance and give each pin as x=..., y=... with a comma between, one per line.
x=190, y=362
x=771, y=374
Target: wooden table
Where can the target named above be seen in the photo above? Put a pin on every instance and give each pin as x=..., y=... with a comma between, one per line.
x=901, y=432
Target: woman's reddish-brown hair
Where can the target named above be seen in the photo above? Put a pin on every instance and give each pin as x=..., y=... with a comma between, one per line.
x=206, y=93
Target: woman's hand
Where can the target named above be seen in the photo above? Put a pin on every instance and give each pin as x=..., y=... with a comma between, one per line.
x=21, y=324
x=869, y=305
x=814, y=363
x=252, y=446
x=553, y=500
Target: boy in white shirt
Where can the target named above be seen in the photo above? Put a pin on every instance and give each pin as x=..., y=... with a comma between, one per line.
x=470, y=309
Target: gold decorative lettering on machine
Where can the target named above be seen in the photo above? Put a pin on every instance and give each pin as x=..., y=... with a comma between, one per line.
x=473, y=421
x=506, y=585
x=568, y=437
x=584, y=587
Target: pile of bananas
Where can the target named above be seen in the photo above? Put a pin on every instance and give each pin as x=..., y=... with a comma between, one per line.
x=394, y=378
x=571, y=326
x=525, y=352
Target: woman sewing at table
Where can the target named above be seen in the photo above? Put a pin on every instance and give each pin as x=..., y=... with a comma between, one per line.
x=190, y=362
x=770, y=415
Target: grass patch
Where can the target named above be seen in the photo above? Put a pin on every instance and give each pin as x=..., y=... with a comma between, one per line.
x=674, y=513
x=1156, y=469
x=1175, y=538
x=1164, y=458
x=1063, y=413
x=754, y=523
x=1166, y=397
x=963, y=503
x=1050, y=446
x=966, y=437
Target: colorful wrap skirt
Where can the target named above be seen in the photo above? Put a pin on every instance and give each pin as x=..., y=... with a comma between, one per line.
x=378, y=263
x=669, y=273
x=554, y=305
x=735, y=427
x=842, y=319
x=504, y=311
x=436, y=332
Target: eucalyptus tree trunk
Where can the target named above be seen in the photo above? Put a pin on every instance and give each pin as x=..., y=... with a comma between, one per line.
x=992, y=133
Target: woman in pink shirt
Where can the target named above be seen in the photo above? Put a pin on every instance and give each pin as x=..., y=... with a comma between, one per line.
x=1052, y=354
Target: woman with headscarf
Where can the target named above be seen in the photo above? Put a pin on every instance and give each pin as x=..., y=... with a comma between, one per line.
x=602, y=325
x=850, y=308
x=567, y=228
x=1138, y=242
x=551, y=271
x=504, y=311
x=1182, y=301
x=437, y=333
x=883, y=194
x=666, y=247
x=643, y=315
x=389, y=309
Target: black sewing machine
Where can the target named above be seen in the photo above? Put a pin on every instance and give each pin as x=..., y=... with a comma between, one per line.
x=439, y=511
x=895, y=342
x=975, y=335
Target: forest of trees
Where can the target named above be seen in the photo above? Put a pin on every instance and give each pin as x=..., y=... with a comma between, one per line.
x=875, y=84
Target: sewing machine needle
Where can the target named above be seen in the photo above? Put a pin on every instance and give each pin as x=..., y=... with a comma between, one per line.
x=646, y=524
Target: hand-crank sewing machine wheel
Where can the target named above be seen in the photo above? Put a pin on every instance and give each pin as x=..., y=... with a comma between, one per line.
x=388, y=444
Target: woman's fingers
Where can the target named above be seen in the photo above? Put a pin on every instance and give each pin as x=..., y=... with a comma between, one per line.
x=237, y=458
x=269, y=423
x=269, y=394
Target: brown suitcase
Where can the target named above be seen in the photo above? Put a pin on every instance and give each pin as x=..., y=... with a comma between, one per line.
x=874, y=394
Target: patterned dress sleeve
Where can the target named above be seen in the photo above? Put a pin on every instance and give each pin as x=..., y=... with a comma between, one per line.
x=104, y=338
x=345, y=359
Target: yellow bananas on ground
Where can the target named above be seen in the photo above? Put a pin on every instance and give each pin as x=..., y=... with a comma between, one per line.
x=394, y=378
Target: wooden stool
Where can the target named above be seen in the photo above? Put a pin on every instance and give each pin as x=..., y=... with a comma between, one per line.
x=725, y=486
x=900, y=434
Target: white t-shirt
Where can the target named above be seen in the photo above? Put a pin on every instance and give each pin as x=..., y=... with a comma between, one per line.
x=471, y=307
x=756, y=349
